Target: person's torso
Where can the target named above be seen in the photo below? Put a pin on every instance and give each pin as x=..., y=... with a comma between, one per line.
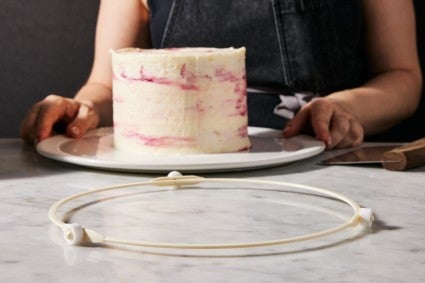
x=300, y=45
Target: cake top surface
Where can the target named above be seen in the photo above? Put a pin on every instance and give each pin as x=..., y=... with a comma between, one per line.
x=181, y=51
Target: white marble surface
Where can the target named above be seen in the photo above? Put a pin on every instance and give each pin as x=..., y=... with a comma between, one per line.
x=32, y=250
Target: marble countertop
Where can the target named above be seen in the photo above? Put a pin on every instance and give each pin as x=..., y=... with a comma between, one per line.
x=32, y=248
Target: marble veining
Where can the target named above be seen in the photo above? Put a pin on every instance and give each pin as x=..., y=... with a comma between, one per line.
x=32, y=249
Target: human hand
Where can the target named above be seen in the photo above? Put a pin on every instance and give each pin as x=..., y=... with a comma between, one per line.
x=332, y=123
x=41, y=119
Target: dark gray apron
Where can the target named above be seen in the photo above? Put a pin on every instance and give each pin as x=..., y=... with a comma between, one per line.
x=292, y=45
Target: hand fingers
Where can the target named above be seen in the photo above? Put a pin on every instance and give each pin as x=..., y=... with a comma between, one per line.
x=296, y=124
x=319, y=113
x=353, y=137
x=339, y=127
x=54, y=109
x=331, y=124
x=322, y=112
x=38, y=123
x=85, y=120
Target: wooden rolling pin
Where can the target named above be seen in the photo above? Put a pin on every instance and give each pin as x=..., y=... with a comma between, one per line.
x=405, y=157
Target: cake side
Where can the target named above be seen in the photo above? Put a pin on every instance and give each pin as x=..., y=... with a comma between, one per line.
x=185, y=100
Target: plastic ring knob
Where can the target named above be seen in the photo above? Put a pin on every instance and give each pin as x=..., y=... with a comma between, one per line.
x=174, y=174
x=73, y=233
x=366, y=216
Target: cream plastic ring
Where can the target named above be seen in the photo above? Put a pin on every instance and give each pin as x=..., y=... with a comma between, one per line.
x=75, y=234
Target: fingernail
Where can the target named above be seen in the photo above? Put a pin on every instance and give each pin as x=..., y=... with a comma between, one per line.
x=329, y=142
x=75, y=130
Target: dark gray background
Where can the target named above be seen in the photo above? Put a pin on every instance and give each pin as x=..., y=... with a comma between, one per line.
x=46, y=46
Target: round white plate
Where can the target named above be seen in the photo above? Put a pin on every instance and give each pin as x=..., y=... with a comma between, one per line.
x=96, y=149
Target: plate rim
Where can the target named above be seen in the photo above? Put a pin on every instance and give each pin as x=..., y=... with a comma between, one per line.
x=50, y=148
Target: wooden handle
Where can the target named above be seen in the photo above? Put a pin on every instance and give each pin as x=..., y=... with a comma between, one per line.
x=409, y=156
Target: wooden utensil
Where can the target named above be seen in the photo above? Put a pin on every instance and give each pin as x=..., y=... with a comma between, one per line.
x=405, y=157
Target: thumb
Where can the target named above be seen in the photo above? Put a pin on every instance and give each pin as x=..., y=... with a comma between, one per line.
x=86, y=119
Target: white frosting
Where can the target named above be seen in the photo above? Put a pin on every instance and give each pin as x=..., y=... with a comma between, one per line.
x=184, y=100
